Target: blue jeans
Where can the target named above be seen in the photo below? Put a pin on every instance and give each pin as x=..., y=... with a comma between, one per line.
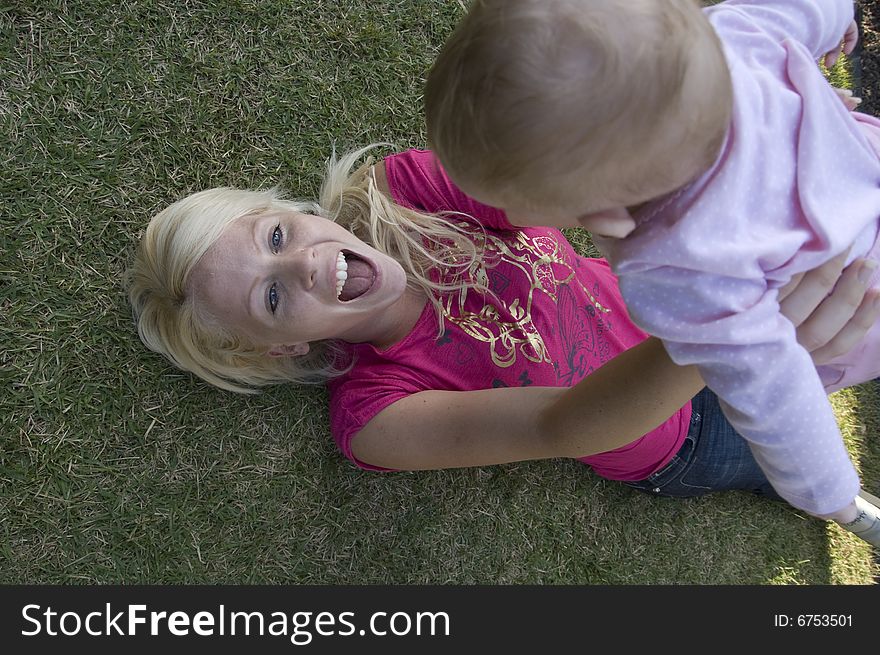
x=713, y=457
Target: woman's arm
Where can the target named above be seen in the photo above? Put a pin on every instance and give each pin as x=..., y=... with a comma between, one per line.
x=626, y=398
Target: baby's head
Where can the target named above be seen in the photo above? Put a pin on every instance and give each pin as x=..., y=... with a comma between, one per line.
x=554, y=109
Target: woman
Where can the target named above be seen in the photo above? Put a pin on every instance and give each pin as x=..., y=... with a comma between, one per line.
x=448, y=338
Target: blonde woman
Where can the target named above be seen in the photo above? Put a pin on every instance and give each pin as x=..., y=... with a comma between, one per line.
x=447, y=337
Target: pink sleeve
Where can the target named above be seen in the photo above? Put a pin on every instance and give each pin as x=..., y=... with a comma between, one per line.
x=748, y=354
x=818, y=24
x=417, y=180
x=353, y=403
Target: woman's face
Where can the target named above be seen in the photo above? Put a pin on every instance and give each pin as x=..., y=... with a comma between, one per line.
x=284, y=279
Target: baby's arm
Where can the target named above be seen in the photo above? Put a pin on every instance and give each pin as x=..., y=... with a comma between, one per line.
x=820, y=25
x=746, y=351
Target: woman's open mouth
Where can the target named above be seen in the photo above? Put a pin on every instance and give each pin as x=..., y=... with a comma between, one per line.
x=354, y=276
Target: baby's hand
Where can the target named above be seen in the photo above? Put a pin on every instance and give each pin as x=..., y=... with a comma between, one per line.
x=849, y=44
x=847, y=98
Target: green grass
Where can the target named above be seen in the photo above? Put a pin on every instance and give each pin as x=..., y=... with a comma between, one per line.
x=114, y=467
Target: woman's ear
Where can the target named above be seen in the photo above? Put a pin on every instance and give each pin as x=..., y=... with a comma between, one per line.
x=289, y=350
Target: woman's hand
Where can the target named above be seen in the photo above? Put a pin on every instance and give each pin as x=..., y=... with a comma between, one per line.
x=831, y=319
x=832, y=309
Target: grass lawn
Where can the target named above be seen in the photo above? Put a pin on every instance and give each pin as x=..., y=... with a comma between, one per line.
x=115, y=467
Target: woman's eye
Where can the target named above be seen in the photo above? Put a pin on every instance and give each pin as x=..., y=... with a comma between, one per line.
x=277, y=237
x=273, y=298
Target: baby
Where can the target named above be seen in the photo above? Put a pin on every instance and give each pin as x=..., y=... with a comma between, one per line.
x=712, y=161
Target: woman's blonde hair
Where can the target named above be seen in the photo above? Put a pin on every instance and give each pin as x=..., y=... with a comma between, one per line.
x=530, y=99
x=177, y=238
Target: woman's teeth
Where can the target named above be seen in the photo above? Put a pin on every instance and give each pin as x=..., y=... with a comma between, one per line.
x=341, y=273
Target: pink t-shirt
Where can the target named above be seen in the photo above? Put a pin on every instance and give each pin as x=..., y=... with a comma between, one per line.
x=556, y=317
x=797, y=182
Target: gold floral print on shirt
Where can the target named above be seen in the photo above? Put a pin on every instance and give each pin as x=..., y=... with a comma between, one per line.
x=543, y=266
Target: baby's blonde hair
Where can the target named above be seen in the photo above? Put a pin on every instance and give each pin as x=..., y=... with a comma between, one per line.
x=530, y=97
x=177, y=238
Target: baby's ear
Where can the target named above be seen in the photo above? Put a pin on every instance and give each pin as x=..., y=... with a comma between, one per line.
x=289, y=350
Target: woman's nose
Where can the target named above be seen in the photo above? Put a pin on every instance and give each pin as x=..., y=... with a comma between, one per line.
x=304, y=266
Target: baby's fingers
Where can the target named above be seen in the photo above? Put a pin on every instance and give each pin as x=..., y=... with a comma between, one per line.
x=851, y=38
x=831, y=58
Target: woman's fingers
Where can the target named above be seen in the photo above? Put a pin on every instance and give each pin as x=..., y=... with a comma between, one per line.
x=850, y=334
x=799, y=298
x=832, y=311
x=843, y=315
x=785, y=291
